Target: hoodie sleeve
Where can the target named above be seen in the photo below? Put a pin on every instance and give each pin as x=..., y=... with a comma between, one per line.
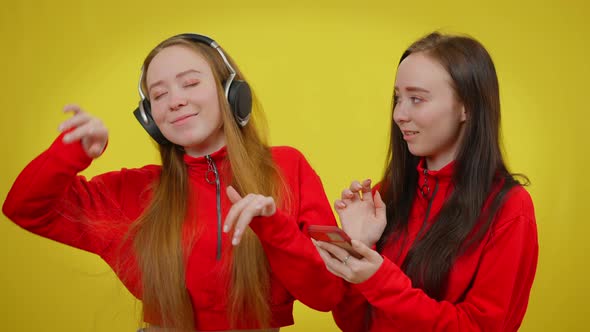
x=292, y=256
x=50, y=199
x=353, y=312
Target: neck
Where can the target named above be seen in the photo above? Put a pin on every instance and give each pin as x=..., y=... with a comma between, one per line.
x=436, y=163
x=204, y=149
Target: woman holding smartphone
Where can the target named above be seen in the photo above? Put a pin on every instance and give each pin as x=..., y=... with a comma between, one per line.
x=448, y=236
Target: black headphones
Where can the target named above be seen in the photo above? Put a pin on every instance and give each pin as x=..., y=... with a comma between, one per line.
x=237, y=92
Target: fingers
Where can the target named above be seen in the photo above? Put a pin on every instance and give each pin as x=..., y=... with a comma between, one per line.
x=355, y=188
x=244, y=210
x=347, y=196
x=78, y=119
x=233, y=194
x=366, y=190
x=337, y=253
x=72, y=108
x=347, y=267
x=253, y=209
x=339, y=205
x=95, y=149
x=235, y=211
x=90, y=130
x=88, y=127
x=259, y=206
x=329, y=261
x=339, y=262
x=351, y=194
x=354, y=191
x=268, y=206
x=325, y=255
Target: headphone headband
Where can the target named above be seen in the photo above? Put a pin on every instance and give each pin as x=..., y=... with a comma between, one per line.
x=207, y=41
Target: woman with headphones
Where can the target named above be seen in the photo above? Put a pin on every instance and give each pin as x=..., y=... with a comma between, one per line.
x=212, y=239
x=452, y=246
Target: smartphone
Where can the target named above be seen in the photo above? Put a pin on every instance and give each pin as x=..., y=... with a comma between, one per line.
x=333, y=235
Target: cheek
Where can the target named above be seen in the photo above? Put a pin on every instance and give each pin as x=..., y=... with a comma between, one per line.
x=446, y=129
x=435, y=119
x=213, y=102
x=213, y=107
x=206, y=101
x=158, y=114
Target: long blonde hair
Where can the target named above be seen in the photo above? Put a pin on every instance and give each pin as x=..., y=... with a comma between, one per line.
x=158, y=240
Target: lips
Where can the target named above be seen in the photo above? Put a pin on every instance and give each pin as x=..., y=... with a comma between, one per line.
x=408, y=134
x=183, y=117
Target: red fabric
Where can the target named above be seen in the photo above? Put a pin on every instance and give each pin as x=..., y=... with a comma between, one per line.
x=488, y=286
x=49, y=198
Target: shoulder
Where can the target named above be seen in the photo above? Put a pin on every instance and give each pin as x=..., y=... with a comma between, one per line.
x=286, y=153
x=287, y=157
x=292, y=162
x=517, y=205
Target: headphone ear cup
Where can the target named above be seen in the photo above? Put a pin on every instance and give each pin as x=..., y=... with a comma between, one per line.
x=239, y=98
x=143, y=114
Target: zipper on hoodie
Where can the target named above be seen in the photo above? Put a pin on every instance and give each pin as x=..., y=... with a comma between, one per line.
x=425, y=190
x=212, y=169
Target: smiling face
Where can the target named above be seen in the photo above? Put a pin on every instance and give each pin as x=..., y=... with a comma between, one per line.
x=427, y=111
x=185, y=101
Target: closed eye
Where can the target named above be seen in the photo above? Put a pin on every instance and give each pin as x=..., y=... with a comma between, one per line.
x=191, y=83
x=159, y=95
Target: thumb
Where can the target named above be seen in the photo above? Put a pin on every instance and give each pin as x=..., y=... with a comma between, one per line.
x=233, y=194
x=368, y=253
x=380, y=208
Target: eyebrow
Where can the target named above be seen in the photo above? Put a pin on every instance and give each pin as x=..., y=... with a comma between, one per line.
x=413, y=89
x=183, y=73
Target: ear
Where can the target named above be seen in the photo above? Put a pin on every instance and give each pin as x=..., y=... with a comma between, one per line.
x=463, y=116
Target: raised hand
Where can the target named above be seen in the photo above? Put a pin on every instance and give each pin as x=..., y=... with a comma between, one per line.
x=362, y=216
x=90, y=130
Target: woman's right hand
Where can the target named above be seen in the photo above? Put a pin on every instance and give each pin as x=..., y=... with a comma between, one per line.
x=90, y=130
x=362, y=216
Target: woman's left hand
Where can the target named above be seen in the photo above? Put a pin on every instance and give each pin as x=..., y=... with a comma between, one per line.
x=243, y=210
x=342, y=264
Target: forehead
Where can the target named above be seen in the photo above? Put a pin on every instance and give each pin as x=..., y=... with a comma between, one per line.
x=173, y=60
x=420, y=70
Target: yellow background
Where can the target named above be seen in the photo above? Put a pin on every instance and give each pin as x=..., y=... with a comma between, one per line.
x=324, y=72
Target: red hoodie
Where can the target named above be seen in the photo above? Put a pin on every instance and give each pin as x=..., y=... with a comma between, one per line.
x=49, y=198
x=488, y=286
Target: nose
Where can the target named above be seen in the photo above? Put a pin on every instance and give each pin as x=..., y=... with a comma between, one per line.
x=176, y=100
x=400, y=113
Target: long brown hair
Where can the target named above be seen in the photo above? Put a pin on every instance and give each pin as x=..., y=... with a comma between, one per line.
x=479, y=166
x=158, y=239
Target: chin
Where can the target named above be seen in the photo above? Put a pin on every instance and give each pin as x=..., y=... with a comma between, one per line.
x=417, y=152
x=185, y=140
